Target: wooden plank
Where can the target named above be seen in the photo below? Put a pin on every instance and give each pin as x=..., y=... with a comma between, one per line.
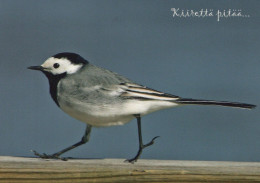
x=20, y=169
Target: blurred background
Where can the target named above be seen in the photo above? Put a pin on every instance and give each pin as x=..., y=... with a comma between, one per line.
x=189, y=57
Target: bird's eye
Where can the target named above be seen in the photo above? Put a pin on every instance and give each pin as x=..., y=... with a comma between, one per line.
x=56, y=65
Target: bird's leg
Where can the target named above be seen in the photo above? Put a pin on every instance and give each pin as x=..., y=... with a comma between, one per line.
x=141, y=145
x=84, y=140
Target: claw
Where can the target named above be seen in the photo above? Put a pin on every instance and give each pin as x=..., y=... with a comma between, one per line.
x=133, y=160
x=151, y=142
x=46, y=156
x=130, y=160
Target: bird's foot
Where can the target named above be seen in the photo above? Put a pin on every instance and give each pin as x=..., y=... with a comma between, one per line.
x=133, y=160
x=46, y=156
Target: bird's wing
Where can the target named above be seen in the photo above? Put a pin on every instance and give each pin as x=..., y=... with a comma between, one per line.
x=108, y=83
x=135, y=91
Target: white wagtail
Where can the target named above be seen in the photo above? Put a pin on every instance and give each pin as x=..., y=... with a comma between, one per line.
x=99, y=97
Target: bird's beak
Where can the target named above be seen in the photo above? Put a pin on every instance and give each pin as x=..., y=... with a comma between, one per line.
x=39, y=68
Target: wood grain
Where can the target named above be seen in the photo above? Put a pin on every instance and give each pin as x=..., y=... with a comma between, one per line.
x=21, y=169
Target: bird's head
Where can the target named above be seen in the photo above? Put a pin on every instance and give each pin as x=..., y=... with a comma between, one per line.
x=61, y=64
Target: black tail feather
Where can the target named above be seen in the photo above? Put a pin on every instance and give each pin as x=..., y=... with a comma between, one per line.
x=212, y=102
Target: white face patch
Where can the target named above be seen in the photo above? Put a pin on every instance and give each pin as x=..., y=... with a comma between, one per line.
x=60, y=65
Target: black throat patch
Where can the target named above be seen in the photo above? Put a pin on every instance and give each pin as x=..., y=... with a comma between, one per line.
x=53, y=82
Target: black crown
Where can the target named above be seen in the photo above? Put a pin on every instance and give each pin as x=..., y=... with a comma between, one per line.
x=73, y=57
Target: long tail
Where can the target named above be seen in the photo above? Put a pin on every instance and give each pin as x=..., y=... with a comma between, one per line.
x=212, y=102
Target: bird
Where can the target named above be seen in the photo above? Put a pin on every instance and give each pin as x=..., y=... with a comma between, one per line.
x=102, y=98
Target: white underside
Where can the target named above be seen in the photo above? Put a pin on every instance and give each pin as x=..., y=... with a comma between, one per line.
x=110, y=115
